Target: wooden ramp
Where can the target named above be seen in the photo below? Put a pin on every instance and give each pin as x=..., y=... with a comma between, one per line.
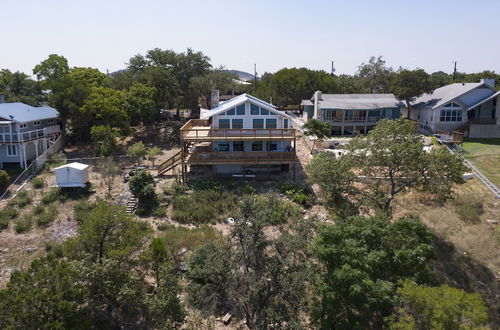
x=132, y=204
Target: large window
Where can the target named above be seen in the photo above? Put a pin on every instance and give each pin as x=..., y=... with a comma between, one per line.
x=11, y=150
x=230, y=112
x=223, y=146
x=238, y=146
x=272, y=146
x=264, y=112
x=254, y=110
x=237, y=123
x=240, y=110
x=224, y=123
x=258, y=123
x=451, y=115
x=285, y=123
x=257, y=146
x=452, y=105
x=271, y=123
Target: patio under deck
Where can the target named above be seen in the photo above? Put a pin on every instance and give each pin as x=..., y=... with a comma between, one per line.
x=254, y=157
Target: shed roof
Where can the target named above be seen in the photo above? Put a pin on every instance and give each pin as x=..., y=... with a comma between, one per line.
x=21, y=112
x=359, y=101
x=443, y=95
x=75, y=165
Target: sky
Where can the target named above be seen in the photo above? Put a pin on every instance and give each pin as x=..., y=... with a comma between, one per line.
x=272, y=34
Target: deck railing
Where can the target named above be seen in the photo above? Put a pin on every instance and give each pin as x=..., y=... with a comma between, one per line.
x=235, y=156
x=485, y=121
x=197, y=133
x=354, y=120
x=19, y=137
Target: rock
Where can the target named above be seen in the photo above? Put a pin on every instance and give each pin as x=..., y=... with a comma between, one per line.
x=30, y=249
x=493, y=222
x=227, y=319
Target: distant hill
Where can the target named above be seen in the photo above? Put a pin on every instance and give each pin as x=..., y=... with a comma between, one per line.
x=242, y=75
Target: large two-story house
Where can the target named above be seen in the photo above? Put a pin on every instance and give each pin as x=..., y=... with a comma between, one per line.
x=244, y=136
x=349, y=114
x=466, y=107
x=26, y=132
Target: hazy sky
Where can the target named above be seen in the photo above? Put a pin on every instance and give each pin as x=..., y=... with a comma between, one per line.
x=237, y=34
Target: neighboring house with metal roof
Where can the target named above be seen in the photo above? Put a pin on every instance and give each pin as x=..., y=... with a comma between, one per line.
x=349, y=114
x=244, y=136
x=26, y=132
x=467, y=107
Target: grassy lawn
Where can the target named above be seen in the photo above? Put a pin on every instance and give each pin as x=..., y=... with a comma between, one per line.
x=485, y=154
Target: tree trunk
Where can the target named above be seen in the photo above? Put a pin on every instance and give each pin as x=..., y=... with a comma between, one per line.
x=408, y=106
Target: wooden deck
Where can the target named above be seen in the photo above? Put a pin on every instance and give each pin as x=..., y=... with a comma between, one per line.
x=256, y=157
x=198, y=130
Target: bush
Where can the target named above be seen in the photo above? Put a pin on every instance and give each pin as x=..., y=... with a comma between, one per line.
x=203, y=206
x=248, y=189
x=4, y=180
x=39, y=209
x=298, y=194
x=176, y=237
x=160, y=211
x=22, y=225
x=9, y=212
x=142, y=186
x=4, y=222
x=38, y=182
x=209, y=184
x=82, y=209
x=469, y=208
x=22, y=199
x=52, y=196
x=44, y=218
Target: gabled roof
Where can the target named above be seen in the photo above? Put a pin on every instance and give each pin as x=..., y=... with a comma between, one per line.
x=306, y=102
x=238, y=100
x=358, y=101
x=446, y=94
x=21, y=112
x=74, y=165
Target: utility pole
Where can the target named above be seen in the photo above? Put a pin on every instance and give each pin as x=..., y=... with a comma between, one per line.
x=255, y=78
x=333, y=69
x=454, y=71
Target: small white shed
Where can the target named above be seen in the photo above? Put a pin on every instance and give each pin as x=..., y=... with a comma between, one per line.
x=72, y=175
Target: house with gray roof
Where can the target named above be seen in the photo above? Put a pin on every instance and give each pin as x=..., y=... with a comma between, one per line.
x=26, y=132
x=470, y=108
x=349, y=114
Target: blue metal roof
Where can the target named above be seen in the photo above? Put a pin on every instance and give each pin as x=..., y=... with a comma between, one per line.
x=21, y=112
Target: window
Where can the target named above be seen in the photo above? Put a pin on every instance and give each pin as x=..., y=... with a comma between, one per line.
x=264, y=112
x=237, y=123
x=238, y=146
x=36, y=123
x=50, y=121
x=11, y=150
x=451, y=115
x=240, y=110
x=452, y=105
x=272, y=146
x=374, y=114
x=224, y=123
x=254, y=110
x=223, y=146
x=23, y=125
x=230, y=112
x=285, y=123
x=258, y=123
x=257, y=146
x=270, y=123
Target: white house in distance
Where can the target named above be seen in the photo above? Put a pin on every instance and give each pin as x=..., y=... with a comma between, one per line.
x=466, y=107
x=26, y=132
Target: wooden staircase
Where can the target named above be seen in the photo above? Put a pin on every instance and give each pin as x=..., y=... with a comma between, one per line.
x=464, y=127
x=170, y=163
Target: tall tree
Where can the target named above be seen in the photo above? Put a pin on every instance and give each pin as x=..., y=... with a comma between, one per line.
x=316, y=128
x=52, y=70
x=361, y=260
x=374, y=76
x=409, y=84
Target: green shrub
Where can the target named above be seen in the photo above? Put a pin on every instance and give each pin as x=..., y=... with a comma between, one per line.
x=44, y=218
x=248, y=189
x=468, y=208
x=38, y=182
x=178, y=188
x=208, y=184
x=22, y=225
x=203, y=206
x=39, y=209
x=82, y=209
x=142, y=186
x=9, y=212
x=52, y=196
x=298, y=194
x=22, y=199
x=4, y=222
x=4, y=180
x=160, y=211
x=177, y=238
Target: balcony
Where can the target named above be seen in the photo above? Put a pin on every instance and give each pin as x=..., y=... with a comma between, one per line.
x=354, y=120
x=30, y=135
x=483, y=121
x=236, y=157
x=199, y=130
